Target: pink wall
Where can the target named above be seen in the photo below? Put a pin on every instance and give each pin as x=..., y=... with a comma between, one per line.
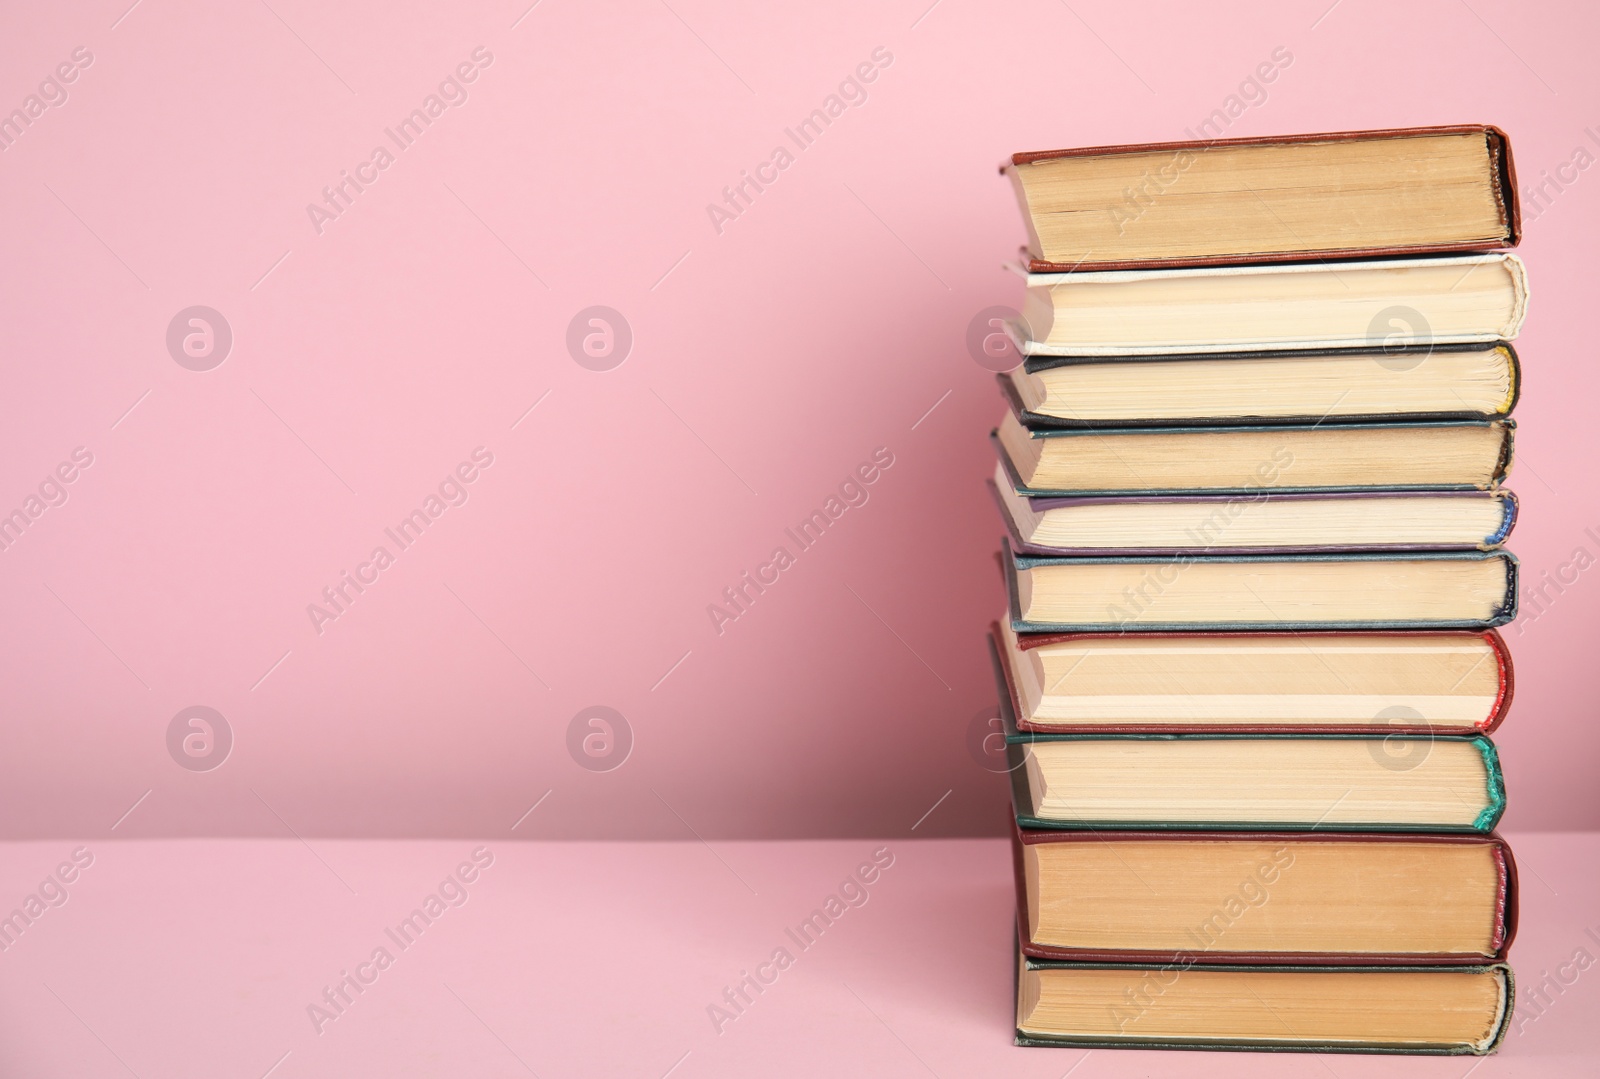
x=768, y=361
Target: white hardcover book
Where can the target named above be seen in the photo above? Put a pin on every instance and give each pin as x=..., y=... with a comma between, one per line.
x=1383, y=304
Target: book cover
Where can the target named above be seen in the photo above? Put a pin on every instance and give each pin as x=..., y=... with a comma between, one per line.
x=1400, y=357
x=1355, y=501
x=1018, y=744
x=1358, y=1041
x=1503, y=612
x=1503, y=931
x=1497, y=146
x=1017, y=727
x=1506, y=427
x=1262, y=301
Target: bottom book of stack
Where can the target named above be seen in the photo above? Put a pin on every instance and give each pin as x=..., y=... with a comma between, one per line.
x=1375, y=1009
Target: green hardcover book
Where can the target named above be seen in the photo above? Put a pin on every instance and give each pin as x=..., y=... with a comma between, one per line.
x=1424, y=1010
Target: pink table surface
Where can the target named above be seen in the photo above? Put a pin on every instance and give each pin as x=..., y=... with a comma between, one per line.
x=179, y=958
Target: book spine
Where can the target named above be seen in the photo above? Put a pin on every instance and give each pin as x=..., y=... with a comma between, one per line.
x=1508, y=431
x=1514, y=377
x=1505, y=171
x=1508, y=606
x=1508, y=1000
x=1505, y=927
x=1506, y=677
x=1495, y=785
x=1508, y=521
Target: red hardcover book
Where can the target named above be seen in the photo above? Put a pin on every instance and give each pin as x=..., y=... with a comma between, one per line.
x=1332, y=683
x=1280, y=198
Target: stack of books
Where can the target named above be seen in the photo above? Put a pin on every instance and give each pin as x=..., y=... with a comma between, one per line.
x=1250, y=472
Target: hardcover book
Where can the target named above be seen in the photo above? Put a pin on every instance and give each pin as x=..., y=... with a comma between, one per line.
x=1265, y=523
x=1417, y=590
x=1397, y=682
x=1430, y=382
x=1320, y=1009
x=1298, y=306
x=1252, y=460
x=1352, y=193
x=1264, y=898
x=1259, y=781
x=1256, y=782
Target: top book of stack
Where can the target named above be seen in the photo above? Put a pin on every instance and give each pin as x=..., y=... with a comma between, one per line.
x=1298, y=198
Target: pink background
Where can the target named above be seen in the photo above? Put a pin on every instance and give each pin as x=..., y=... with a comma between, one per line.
x=767, y=363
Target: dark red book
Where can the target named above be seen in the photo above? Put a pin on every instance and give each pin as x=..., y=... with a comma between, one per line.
x=1278, y=198
x=1388, y=683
